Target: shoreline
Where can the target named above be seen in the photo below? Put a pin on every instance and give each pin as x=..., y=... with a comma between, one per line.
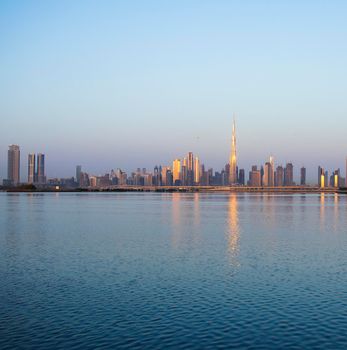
x=185, y=189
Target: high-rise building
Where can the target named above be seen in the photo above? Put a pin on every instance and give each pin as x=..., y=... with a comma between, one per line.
x=184, y=175
x=197, y=171
x=190, y=169
x=269, y=173
x=233, y=157
x=336, y=178
x=303, y=176
x=255, y=177
x=31, y=168
x=78, y=174
x=156, y=176
x=288, y=175
x=13, y=164
x=272, y=172
x=227, y=174
x=40, y=169
x=165, y=174
x=261, y=175
x=321, y=177
x=176, y=171
x=279, y=176
x=241, y=177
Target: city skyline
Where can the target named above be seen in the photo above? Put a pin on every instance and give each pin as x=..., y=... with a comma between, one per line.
x=185, y=171
x=61, y=165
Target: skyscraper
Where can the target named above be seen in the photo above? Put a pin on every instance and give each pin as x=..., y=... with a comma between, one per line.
x=336, y=178
x=233, y=157
x=40, y=169
x=272, y=172
x=303, y=176
x=176, y=171
x=165, y=175
x=13, y=164
x=31, y=168
x=279, y=176
x=255, y=177
x=197, y=171
x=321, y=177
x=190, y=169
x=288, y=175
x=241, y=177
x=269, y=173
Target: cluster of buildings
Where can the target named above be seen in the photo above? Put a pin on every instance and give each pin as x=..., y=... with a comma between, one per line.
x=188, y=171
x=36, y=168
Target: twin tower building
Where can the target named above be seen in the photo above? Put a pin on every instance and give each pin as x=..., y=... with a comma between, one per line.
x=36, y=169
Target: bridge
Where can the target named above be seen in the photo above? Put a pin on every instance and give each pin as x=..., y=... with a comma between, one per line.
x=204, y=189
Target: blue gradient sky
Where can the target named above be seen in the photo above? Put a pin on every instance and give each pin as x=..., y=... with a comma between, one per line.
x=130, y=84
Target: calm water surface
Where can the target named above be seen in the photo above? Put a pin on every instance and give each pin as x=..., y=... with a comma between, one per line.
x=160, y=271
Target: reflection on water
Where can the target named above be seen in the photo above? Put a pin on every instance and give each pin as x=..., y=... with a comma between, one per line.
x=185, y=214
x=322, y=210
x=158, y=270
x=176, y=219
x=336, y=211
x=233, y=228
x=196, y=214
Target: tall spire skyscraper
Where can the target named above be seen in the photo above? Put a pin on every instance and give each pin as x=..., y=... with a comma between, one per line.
x=233, y=158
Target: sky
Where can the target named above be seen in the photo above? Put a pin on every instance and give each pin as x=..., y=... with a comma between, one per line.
x=127, y=84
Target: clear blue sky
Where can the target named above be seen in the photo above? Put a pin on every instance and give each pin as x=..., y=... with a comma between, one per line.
x=131, y=84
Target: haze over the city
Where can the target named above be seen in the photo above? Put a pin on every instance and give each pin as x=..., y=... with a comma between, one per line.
x=121, y=84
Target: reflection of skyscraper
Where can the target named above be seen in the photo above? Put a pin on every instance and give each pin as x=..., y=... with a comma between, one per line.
x=13, y=164
x=41, y=179
x=31, y=168
x=233, y=158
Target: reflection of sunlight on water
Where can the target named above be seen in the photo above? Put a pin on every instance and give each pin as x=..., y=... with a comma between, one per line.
x=233, y=229
x=322, y=210
x=329, y=212
x=197, y=212
x=336, y=210
x=176, y=218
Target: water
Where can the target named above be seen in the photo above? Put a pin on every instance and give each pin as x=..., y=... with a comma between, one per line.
x=160, y=271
